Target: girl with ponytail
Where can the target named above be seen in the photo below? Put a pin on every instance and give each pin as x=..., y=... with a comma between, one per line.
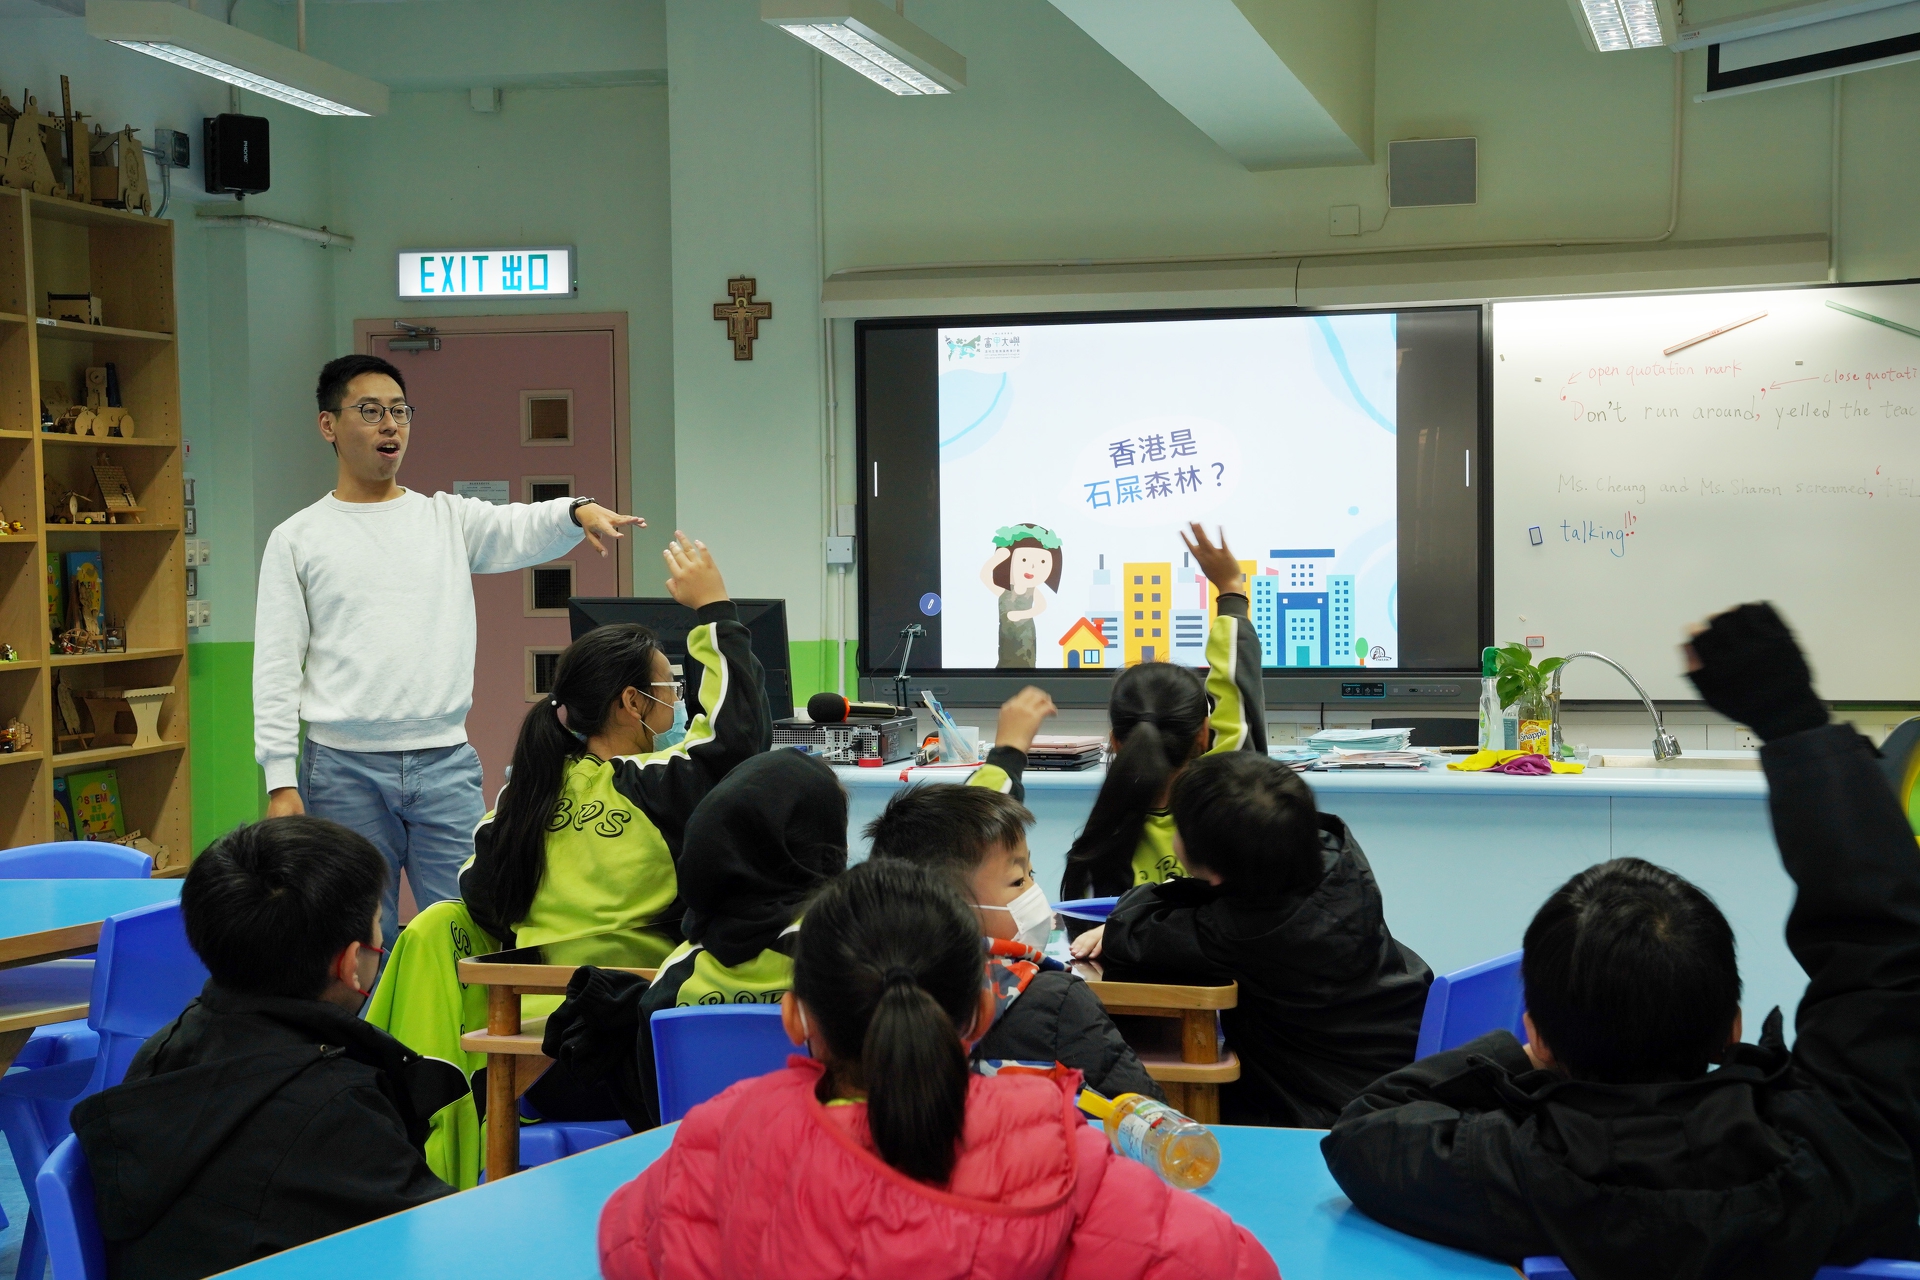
x=880, y=1154
x=1164, y=716
x=585, y=836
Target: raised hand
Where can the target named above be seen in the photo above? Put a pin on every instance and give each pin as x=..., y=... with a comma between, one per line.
x=1020, y=717
x=1218, y=563
x=692, y=577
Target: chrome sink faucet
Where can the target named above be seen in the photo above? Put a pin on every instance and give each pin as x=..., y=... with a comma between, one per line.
x=1665, y=745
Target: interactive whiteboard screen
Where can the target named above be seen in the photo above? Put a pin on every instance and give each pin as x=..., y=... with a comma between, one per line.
x=1070, y=455
x=1662, y=458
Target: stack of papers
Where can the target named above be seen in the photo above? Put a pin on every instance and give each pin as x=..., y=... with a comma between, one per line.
x=1361, y=740
x=1339, y=759
x=1066, y=752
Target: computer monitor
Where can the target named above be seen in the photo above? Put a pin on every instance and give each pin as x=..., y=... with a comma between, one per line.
x=669, y=620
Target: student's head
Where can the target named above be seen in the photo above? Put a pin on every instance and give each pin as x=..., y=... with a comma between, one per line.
x=350, y=389
x=1159, y=716
x=613, y=684
x=888, y=986
x=975, y=836
x=288, y=907
x=757, y=849
x=1630, y=976
x=1247, y=821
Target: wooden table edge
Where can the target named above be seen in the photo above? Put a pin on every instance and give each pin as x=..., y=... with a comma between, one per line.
x=1150, y=998
x=43, y=1016
x=49, y=944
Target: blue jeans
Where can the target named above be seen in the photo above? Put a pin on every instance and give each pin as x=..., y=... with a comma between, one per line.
x=418, y=807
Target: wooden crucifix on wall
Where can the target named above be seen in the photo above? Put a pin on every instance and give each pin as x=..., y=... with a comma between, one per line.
x=742, y=315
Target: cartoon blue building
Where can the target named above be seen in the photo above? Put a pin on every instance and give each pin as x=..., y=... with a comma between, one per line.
x=1340, y=618
x=1103, y=607
x=1264, y=589
x=1302, y=607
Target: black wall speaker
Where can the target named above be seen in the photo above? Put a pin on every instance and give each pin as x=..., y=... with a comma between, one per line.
x=236, y=154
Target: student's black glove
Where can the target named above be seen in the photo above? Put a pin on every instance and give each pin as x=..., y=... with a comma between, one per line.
x=1751, y=671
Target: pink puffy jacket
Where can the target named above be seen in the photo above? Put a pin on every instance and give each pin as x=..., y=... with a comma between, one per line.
x=762, y=1182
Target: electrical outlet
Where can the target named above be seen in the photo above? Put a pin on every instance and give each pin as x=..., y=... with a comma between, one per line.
x=193, y=584
x=1746, y=739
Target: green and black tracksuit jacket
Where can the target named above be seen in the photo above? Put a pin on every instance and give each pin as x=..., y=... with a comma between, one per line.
x=616, y=833
x=1237, y=717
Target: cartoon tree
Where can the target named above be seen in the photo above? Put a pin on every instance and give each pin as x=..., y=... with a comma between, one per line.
x=1360, y=649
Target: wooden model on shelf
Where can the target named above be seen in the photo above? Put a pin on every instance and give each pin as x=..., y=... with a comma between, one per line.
x=113, y=718
x=69, y=713
x=27, y=164
x=120, y=171
x=116, y=495
x=17, y=736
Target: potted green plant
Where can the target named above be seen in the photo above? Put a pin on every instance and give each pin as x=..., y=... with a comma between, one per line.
x=1523, y=686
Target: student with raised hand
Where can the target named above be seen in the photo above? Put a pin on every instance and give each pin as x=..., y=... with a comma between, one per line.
x=1634, y=1133
x=608, y=769
x=1164, y=716
x=1281, y=900
x=882, y=1155
x=757, y=849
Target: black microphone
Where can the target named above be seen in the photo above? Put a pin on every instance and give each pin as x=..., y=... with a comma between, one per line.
x=831, y=708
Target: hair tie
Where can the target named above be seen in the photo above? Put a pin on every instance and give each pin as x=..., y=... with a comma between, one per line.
x=553, y=702
x=899, y=975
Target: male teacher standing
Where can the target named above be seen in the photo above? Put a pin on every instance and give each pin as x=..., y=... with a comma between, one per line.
x=365, y=630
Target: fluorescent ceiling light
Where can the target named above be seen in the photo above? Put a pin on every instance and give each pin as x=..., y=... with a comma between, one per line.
x=874, y=40
x=1614, y=25
x=187, y=39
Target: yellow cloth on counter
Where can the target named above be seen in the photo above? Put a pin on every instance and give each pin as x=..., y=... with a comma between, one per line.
x=1481, y=760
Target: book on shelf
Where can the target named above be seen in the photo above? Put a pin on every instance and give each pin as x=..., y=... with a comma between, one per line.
x=86, y=591
x=95, y=796
x=56, y=594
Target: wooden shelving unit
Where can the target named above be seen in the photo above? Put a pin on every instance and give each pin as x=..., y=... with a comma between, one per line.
x=126, y=260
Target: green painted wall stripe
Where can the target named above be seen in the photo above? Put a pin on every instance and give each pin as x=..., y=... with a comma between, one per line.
x=813, y=670
x=228, y=789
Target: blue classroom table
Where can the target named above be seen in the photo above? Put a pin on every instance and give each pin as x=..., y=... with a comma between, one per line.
x=545, y=1222
x=38, y=917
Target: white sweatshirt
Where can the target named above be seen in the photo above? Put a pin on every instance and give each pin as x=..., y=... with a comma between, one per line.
x=365, y=625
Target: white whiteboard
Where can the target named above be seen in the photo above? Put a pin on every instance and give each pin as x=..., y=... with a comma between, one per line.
x=1777, y=461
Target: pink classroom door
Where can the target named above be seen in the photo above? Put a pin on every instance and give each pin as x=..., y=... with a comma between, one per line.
x=531, y=414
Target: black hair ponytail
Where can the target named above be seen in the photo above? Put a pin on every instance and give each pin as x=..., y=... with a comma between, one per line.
x=1157, y=711
x=589, y=680
x=890, y=961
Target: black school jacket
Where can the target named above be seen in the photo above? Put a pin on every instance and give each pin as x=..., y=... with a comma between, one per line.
x=1328, y=999
x=251, y=1124
x=1763, y=1169
x=1059, y=1019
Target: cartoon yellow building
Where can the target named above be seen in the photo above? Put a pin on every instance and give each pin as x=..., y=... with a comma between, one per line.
x=1084, y=645
x=1146, y=611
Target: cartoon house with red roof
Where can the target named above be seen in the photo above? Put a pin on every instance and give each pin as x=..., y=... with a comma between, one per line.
x=1084, y=645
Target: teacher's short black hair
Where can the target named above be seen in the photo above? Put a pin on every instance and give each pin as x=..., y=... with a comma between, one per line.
x=269, y=905
x=1630, y=975
x=336, y=374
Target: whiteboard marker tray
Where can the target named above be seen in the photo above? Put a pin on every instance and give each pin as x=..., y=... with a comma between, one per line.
x=1750, y=764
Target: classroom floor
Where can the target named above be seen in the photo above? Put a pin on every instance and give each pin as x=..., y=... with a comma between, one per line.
x=13, y=1202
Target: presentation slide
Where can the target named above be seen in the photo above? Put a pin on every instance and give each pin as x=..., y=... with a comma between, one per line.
x=1071, y=455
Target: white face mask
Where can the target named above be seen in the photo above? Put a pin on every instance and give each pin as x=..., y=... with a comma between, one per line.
x=1032, y=916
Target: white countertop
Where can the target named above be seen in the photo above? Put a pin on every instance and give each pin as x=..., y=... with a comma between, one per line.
x=1675, y=782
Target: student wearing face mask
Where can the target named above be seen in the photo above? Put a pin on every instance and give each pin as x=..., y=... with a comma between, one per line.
x=587, y=834
x=976, y=836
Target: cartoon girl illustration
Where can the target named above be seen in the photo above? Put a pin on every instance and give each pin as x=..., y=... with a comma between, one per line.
x=1024, y=556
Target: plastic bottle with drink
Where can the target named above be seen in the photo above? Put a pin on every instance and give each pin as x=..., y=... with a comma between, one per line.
x=1175, y=1146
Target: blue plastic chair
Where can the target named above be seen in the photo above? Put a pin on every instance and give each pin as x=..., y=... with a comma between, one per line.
x=145, y=976
x=65, y=1190
x=68, y=860
x=1472, y=1001
x=1547, y=1267
x=700, y=1050
x=557, y=1139
x=1094, y=909
x=74, y=860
